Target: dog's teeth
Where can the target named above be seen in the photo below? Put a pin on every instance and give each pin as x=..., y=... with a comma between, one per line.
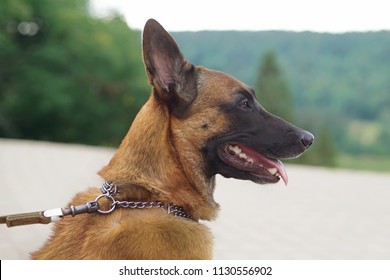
x=235, y=149
x=273, y=171
x=242, y=155
x=238, y=152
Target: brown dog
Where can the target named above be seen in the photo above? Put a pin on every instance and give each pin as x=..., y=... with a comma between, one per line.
x=197, y=123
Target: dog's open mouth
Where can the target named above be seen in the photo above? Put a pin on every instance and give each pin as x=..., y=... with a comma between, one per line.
x=246, y=159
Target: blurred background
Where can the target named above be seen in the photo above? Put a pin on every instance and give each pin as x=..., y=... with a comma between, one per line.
x=71, y=71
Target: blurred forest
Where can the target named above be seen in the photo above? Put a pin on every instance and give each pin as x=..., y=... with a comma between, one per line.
x=66, y=75
x=69, y=76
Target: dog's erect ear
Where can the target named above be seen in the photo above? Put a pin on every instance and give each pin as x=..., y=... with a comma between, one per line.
x=169, y=73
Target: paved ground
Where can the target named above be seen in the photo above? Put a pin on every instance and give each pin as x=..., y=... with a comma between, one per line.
x=322, y=214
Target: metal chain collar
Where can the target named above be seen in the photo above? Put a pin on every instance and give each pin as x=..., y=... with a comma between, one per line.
x=109, y=190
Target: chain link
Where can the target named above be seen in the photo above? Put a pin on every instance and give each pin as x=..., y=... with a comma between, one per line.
x=109, y=190
x=139, y=204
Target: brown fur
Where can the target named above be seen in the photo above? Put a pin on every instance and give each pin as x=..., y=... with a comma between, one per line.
x=160, y=159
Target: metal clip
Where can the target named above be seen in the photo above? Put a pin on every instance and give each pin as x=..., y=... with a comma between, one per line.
x=89, y=207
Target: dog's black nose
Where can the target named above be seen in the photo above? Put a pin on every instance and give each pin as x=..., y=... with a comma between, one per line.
x=307, y=139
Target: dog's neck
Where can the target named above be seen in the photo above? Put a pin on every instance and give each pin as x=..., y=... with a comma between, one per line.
x=147, y=157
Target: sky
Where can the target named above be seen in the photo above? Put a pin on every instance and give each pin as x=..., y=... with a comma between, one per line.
x=335, y=16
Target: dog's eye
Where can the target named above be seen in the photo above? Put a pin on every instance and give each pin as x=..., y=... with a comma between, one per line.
x=244, y=105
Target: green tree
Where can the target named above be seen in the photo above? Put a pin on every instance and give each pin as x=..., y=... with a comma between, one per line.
x=66, y=75
x=272, y=89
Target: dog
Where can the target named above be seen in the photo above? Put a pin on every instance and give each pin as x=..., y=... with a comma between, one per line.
x=197, y=123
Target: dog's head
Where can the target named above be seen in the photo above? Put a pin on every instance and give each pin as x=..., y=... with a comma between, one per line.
x=217, y=117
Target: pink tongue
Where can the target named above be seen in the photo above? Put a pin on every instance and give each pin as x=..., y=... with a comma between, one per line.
x=266, y=162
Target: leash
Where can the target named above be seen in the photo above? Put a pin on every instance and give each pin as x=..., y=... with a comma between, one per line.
x=108, y=191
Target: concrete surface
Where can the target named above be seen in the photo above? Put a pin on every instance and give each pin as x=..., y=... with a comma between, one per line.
x=322, y=214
